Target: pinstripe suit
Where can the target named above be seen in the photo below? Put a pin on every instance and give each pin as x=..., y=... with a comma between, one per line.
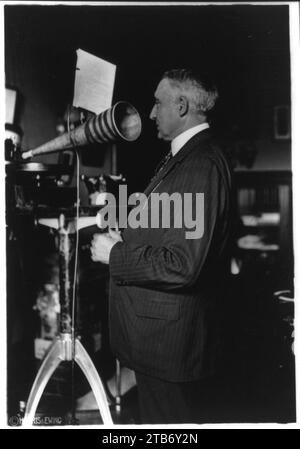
x=165, y=288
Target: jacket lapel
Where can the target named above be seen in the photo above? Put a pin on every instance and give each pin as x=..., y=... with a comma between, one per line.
x=177, y=159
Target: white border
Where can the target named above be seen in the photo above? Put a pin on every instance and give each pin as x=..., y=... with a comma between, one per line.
x=295, y=77
x=295, y=114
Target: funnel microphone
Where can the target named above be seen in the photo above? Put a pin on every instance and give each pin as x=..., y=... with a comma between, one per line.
x=121, y=122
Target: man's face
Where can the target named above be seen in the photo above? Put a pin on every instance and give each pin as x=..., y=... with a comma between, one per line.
x=165, y=111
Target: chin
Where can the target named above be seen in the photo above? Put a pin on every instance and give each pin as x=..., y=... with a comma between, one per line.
x=162, y=136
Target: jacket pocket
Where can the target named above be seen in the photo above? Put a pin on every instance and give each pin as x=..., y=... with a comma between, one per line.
x=161, y=310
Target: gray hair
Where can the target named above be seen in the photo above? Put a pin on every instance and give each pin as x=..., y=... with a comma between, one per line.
x=201, y=93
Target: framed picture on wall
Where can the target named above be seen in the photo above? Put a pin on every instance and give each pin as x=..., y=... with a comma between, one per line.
x=282, y=122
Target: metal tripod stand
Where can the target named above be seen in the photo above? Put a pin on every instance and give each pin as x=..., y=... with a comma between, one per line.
x=66, y=347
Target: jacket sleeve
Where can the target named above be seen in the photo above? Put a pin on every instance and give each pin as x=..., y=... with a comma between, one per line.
x=175, y=261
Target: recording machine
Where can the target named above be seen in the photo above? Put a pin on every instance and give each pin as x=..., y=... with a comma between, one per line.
x=121, y=122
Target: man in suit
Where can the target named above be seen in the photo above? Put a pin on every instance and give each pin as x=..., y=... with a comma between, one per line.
x=165, y=287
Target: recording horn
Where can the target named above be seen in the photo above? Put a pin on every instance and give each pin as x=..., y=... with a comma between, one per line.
x=121, y=122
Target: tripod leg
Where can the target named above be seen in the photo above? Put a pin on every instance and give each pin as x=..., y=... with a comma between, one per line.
x=50, y=363
x=118, y=386
x=85, y=363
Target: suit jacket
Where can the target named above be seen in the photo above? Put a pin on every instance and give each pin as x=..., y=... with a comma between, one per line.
x=165, y=288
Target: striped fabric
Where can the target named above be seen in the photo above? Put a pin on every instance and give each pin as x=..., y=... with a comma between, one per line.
x=164, y=288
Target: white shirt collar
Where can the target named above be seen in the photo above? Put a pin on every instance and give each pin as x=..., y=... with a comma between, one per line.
x=182, y=138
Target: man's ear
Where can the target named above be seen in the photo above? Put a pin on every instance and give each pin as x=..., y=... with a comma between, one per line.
x=183, y=106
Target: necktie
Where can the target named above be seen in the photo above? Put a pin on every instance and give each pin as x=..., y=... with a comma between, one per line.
x=158, y=169
x=163, y=163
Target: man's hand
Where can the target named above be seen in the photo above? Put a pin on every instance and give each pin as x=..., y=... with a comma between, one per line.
x=102, y=244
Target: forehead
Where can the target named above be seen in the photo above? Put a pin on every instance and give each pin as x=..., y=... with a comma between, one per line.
x=164, y=90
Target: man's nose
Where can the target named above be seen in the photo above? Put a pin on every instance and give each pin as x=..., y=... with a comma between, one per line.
x=153, y=113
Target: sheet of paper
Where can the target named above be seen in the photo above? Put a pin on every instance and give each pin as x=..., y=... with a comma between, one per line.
x=10, y=105
x=94, y=82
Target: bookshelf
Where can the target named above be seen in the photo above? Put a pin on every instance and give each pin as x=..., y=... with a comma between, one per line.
x=264, y=202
